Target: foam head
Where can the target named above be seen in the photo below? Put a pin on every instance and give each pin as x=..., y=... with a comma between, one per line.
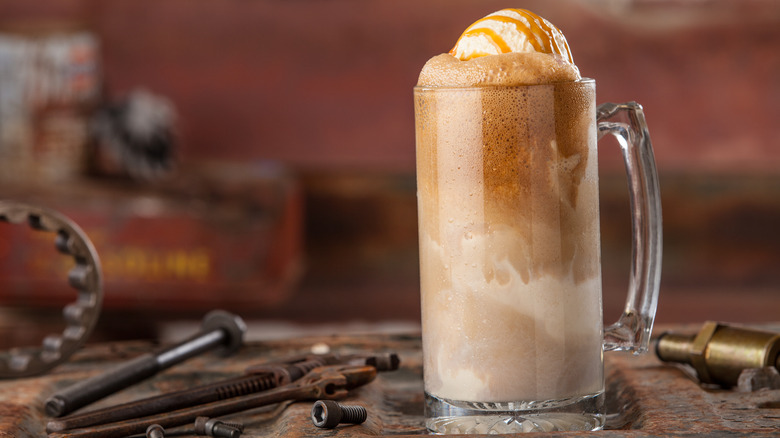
x=506, y=48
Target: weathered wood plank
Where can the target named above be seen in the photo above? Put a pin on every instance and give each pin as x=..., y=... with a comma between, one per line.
x=645, y=396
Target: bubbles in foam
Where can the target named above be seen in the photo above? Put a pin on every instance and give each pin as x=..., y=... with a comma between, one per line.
x=508, y=69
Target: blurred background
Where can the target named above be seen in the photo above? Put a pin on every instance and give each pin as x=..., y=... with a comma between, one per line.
x=258, y=155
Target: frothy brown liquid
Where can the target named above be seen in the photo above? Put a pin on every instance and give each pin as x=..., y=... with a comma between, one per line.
x=509, y=239
x=508, y=69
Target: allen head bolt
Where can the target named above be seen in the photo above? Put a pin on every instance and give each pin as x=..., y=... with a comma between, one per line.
x=328, y=414
x=213, y=427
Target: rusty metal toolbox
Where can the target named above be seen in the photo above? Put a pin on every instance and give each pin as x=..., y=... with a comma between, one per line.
x=229, y=239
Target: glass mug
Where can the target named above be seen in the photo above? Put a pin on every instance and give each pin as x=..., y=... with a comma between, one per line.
x=510, y=257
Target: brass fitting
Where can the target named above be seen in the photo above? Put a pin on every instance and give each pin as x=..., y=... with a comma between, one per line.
x=719, y=352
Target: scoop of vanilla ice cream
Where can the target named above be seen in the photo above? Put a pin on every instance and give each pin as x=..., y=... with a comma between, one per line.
x=508, y=47
x=511, y=30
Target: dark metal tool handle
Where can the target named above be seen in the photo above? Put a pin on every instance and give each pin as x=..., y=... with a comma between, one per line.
x=90, y=390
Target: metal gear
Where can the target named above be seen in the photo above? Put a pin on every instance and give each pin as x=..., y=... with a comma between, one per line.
x=86, y=277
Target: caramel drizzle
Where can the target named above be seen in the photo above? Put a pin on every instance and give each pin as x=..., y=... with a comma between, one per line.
x=550, y=30
x=521, y=27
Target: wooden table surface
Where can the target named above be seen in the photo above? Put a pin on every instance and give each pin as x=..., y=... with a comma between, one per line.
x=645, y=396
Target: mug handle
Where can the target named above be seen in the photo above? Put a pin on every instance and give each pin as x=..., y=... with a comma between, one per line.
x=626, y=122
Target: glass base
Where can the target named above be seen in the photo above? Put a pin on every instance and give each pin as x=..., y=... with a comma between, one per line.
x=584, y=413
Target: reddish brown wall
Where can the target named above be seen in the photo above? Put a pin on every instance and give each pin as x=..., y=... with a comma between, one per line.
x=327, y=83
x=325, y=86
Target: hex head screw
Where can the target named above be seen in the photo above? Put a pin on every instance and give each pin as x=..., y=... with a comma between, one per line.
x=328, y=414
x=155, y=431
x=206, y=426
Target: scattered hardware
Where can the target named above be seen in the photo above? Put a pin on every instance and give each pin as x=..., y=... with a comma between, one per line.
x=719, y=353
x=256, y=379
x=328, y=414
x=328, y=382
x=316, y=377
x=80, y=316
x=219, y=329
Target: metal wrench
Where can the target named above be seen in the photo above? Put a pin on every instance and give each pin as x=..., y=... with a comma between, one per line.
x=328, y=382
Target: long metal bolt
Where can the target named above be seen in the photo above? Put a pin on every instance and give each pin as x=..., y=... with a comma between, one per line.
x=155, y=431
x=167, y=402
x=217, y=428
x=328, y=414
x=219, y=329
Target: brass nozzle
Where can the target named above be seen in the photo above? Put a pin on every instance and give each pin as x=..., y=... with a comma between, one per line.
x=719, y=352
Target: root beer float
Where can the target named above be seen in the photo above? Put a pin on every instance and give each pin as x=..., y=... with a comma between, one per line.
x=509, y=228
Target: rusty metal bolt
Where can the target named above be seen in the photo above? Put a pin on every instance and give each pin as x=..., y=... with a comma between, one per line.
x=216, y=428
x=328, y=414
x=155, y=431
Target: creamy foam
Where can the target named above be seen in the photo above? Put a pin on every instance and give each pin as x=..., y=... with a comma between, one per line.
x=508, y=69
